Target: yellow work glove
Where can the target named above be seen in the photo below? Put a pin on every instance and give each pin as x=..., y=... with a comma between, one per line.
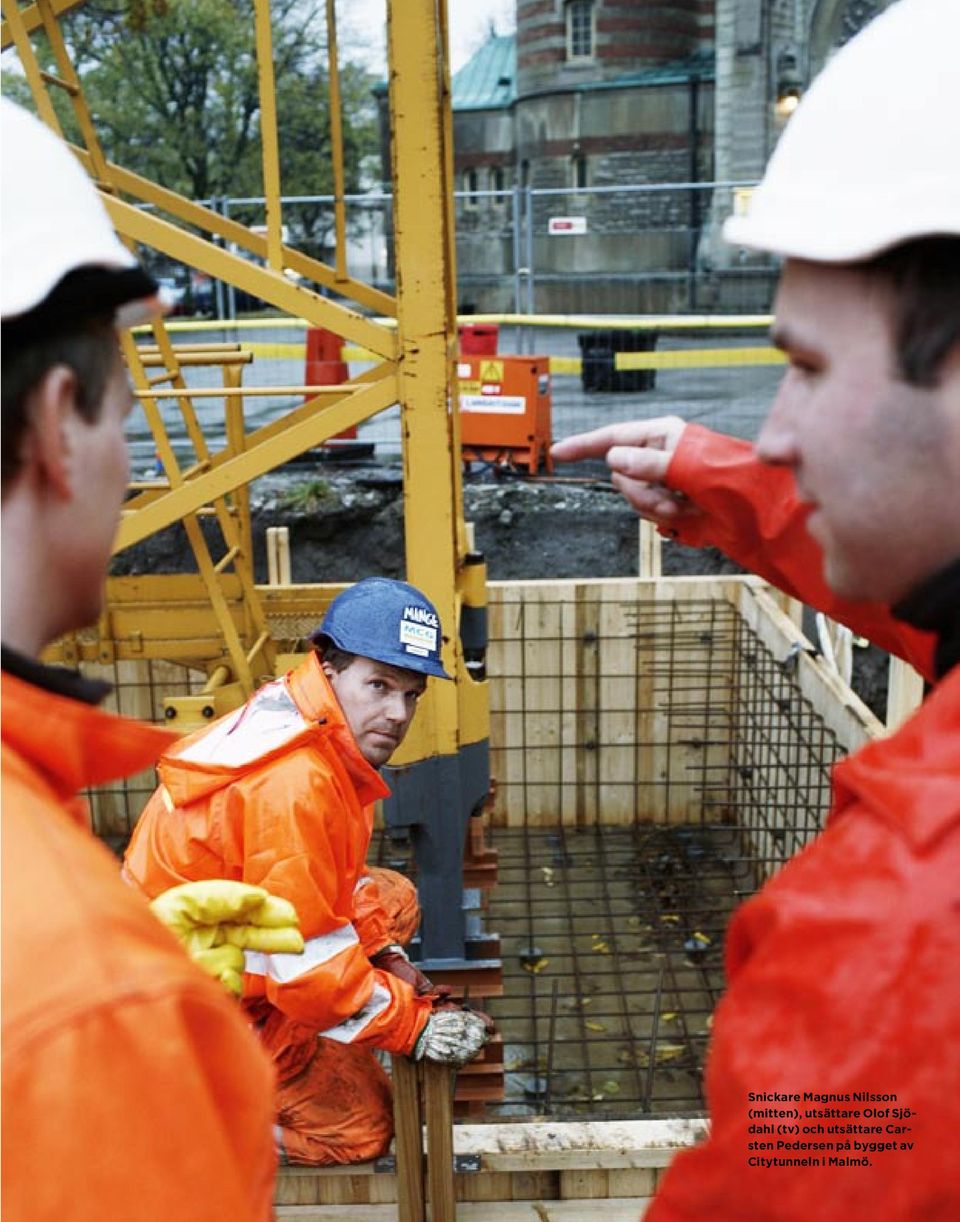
x=217, y=919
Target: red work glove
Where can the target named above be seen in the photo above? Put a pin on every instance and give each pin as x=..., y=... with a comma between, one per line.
x=393, y=959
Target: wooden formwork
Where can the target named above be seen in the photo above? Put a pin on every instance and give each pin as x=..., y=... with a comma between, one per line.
x=669, y=700
x=548, y=1172
x=601, y=691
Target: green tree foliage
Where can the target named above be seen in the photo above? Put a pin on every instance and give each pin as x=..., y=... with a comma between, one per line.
x=173, y=88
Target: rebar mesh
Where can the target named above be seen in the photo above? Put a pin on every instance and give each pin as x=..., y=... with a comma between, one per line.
x=655, y=764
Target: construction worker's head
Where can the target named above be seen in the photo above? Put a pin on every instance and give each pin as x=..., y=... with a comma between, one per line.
x=65, y=282
x=862, y=200
x=379, y=642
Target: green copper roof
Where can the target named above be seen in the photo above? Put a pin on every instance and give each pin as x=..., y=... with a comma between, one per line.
x=489, y=79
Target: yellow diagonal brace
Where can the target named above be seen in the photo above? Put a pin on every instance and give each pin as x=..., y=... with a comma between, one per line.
x=31, y=19
x=126, y=182
x=260, y=281
x=255, y=461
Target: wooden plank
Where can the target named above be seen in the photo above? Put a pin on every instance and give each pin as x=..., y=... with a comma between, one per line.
x=581, y=1185
x=610, y=1210
x=534, y=1185
x=408, y=1139
x=586, y=650
x=840, y=707
x=588, y=1145
x=904, y=692
x=438, y=1082
x=543, y=650
x=632, y=1182
x=617, y=725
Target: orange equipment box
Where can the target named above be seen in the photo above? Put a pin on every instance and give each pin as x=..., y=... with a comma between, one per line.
x=505, y=415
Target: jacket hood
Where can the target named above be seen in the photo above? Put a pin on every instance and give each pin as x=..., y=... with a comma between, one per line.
x=288, y=714
x=912, y=778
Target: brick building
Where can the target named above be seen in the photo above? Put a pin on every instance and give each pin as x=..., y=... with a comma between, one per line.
x=590, y=98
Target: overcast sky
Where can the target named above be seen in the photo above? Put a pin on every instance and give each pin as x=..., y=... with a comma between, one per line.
x=362, y=27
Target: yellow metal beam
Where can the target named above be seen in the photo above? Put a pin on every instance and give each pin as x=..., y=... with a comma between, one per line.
x=423, y=199
x=260, y=456
x=127, y=183
x=336, y=144
x=31, y=19
x=262, y=282
x=269, y=143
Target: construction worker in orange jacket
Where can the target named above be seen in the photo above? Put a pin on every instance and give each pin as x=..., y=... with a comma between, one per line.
x=839, y=1026
x=279, y=794
x=132, y=1087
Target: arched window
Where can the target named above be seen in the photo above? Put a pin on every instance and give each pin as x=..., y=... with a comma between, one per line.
x=498, y=182
x=471, y=185
x=580, y=32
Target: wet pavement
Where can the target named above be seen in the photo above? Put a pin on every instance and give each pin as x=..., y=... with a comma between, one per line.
x=733, y=400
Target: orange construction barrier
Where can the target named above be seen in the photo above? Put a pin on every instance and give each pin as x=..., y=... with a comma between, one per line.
x=325, y=367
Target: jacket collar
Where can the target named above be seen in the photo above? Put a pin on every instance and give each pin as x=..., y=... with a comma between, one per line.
x=316, y=700
x=73, y=744
x=53, y=678
x=935, y=606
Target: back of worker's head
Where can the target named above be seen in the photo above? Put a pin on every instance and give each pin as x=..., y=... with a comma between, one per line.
x=867, y=173
x=385, y=620
x=66, y=281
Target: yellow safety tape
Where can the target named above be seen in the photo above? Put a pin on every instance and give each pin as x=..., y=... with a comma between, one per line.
x=646, y=322
x=562, y=366
x=698, y=358
x=278, y=352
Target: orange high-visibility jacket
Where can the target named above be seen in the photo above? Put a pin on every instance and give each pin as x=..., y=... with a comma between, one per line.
x=842, y=971
x=132, y=1086
x=753, y=513
x=277, y=794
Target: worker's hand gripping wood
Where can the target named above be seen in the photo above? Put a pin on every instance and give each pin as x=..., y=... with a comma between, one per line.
x=216, y=920
x=452, y=1037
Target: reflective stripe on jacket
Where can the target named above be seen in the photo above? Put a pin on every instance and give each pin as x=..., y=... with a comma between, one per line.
x=132, y=1087
x=278, y=794
x=842, y=971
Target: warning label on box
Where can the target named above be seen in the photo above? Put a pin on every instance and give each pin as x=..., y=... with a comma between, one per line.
x=491, y=371
x=507, y=405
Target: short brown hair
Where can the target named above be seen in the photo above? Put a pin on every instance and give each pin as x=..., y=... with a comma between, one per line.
x=338, y=658
x=88, y=347
x=924, y=277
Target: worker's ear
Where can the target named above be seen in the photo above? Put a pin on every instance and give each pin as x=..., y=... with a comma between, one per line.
x=327, y=669
x=50, y=441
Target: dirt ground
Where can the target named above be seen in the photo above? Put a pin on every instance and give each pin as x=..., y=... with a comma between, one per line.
x=347, y=523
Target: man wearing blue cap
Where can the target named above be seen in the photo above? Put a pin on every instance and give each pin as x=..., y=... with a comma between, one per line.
x=280, y=793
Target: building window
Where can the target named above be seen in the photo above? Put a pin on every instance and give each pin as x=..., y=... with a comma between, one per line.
x=471, y=185
x=498, y=183
x=524, y=174
x=580, y=29
x=578, y=172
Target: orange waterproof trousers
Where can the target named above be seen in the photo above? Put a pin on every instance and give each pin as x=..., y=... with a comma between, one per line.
x=340, y=1108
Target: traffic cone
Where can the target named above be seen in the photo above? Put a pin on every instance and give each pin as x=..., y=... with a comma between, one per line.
x=324, y=367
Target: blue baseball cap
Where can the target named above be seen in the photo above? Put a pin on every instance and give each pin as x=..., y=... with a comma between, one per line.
x=388, y=621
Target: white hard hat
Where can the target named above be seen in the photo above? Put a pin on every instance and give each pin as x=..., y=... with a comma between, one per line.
x=871, y=157
x=53, y=223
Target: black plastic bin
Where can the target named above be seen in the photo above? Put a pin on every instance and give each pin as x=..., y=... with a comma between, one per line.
x=597, y=354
